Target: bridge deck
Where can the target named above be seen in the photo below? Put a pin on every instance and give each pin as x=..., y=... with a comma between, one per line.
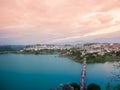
x=83, y=75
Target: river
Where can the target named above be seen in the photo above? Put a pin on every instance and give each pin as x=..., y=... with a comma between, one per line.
x=42, y=72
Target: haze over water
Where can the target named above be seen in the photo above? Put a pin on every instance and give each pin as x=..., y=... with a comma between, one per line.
x=42, y=72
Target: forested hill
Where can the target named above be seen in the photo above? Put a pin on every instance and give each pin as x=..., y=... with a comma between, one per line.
x=6, y=48
x=11, y=47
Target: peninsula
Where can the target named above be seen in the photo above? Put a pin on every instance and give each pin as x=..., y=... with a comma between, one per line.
x=94, y=52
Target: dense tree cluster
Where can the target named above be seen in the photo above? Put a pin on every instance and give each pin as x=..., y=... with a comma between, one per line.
x=94, y=86
x=42, y=51
x=6, y=48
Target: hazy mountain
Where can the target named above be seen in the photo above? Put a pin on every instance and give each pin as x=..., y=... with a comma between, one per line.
x=98, y=40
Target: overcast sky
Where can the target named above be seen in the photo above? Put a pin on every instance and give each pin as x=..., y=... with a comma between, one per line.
x=51, y=21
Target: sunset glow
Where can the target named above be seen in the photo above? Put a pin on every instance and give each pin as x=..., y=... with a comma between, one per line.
x=52, y=21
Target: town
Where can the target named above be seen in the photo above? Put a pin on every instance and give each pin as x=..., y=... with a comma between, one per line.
x=100, y=48
x=93, y=51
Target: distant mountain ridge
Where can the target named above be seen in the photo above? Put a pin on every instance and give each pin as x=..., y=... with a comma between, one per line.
x=98, y=40
x=16, y=47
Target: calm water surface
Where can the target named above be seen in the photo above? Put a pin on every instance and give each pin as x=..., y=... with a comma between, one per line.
x=42, y=72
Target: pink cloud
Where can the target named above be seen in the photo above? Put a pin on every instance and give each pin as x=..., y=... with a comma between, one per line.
x=57, y=19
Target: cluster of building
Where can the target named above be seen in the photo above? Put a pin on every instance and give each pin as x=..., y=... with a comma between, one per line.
x=40, y=47
x=100, y=48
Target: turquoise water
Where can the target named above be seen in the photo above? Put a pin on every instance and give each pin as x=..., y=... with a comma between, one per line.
x=42, y=72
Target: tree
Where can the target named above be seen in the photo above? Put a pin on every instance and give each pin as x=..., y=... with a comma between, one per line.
x=76, y=86
x=117, y=87
x=108, y=86
x=6, y=48
x=93, y=86
x=111, y=87
x=118, y=53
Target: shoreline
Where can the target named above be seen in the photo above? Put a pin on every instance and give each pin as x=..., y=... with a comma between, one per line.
x=111, y=58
